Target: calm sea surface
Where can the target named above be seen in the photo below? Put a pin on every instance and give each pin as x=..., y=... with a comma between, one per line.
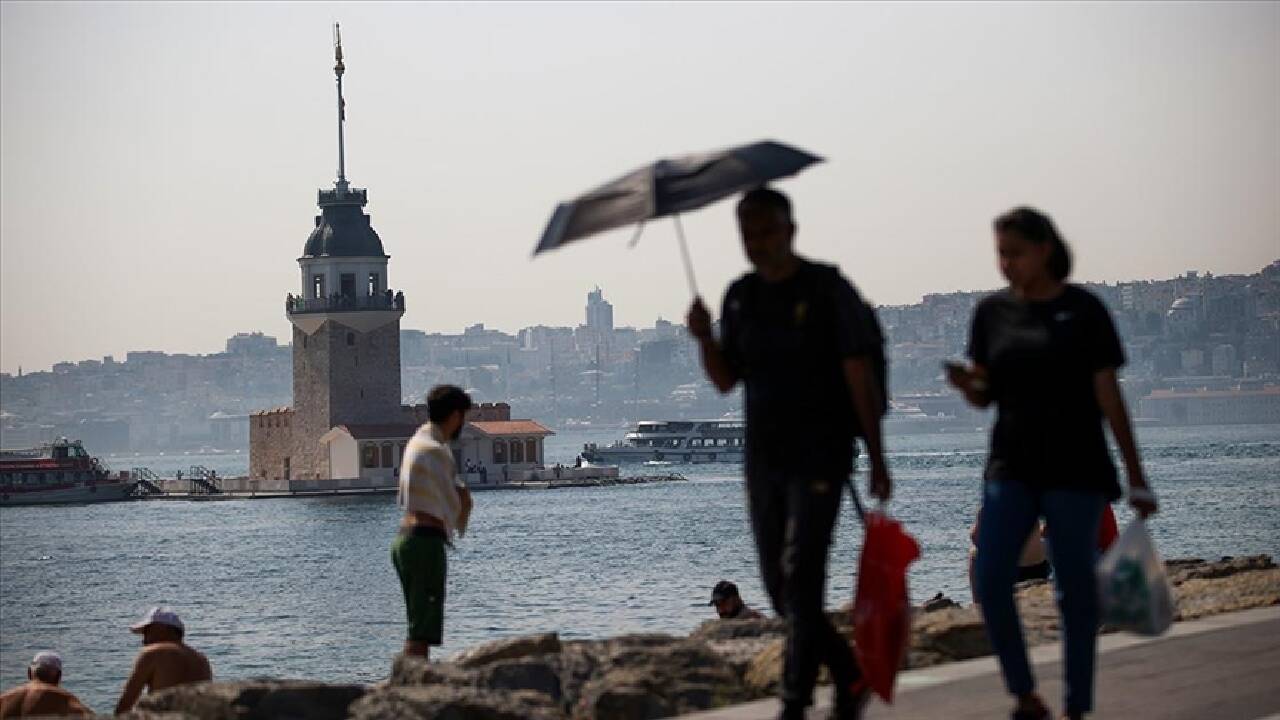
x=305, y=588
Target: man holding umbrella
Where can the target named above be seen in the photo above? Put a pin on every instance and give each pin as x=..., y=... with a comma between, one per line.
x=804, y=344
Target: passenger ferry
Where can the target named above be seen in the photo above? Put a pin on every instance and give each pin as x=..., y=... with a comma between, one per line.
x=56, y=473
x=687, y=441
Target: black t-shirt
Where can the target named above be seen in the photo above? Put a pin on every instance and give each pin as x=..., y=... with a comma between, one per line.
x=787, y=341
x=1041, y=358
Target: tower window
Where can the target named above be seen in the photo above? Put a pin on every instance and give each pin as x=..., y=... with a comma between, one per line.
x=351, y=338
x=373, y=284
x=317, y=286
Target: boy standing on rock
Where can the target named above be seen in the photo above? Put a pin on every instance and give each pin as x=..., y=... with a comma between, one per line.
x=437, y=505
x=799, y=337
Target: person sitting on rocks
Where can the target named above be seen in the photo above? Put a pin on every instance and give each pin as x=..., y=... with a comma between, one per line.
x=729, y=604
x=41, y=695
x=165, y=661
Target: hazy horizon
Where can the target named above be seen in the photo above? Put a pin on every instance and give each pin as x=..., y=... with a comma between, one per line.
x=160, y=161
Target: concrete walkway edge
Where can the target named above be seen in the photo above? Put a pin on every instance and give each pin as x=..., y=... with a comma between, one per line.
x=932, y=677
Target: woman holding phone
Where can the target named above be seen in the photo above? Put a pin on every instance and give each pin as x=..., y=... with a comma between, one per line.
x=1046, y=353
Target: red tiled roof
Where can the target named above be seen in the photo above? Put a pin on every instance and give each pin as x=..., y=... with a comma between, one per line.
x=510, y=427
x=380, y=431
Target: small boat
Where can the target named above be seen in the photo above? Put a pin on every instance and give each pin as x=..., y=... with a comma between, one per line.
x=56, y=473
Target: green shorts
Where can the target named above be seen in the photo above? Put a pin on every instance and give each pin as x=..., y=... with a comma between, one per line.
x=421, y=564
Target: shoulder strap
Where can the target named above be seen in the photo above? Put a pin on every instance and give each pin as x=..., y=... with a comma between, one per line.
x=857, y=502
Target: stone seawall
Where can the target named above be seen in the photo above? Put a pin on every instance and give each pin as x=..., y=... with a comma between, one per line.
x=639, y=677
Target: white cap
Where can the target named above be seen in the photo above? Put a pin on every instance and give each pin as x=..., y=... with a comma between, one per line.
x=158, y=615
x=47, y=659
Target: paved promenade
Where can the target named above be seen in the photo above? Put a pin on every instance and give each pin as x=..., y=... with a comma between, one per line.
x=1225, y=668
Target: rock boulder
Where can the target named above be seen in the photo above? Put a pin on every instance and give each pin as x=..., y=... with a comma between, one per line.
x=443, y=702
x=508, y=648
x=256, y=699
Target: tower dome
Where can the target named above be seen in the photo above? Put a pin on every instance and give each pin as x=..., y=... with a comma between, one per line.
x=342, y=228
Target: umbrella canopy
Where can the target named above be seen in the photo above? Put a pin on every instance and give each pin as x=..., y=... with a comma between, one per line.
x=670, y=187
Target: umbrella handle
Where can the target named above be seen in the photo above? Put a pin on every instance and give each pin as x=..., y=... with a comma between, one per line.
x=636, y=237
x=684, y=254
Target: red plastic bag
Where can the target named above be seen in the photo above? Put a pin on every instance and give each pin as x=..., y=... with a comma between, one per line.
x=881, y=610
x=1108, y=531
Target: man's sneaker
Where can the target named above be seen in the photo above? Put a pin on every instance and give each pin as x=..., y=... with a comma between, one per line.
x=851, y=703
x=792, y=711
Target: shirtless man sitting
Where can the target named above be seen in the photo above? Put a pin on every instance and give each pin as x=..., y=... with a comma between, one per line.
x=40, y=695
x=165, y=661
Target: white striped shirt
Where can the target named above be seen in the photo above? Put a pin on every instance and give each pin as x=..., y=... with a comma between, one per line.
x=429, y=480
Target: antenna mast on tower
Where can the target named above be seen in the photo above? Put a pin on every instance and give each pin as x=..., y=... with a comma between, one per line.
x=338, y=70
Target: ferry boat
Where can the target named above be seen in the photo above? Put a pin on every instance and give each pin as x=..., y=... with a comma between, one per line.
x=688, y=441
x=56, y=473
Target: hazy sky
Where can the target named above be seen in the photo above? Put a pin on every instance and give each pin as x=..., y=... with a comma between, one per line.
x=159, y=162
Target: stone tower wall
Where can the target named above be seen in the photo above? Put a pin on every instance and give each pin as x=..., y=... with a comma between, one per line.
x=341, y=376
x=310, y=400
x=271, y=440
x=364, y=374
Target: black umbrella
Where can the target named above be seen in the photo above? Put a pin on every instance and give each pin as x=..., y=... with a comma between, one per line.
x=670, y=187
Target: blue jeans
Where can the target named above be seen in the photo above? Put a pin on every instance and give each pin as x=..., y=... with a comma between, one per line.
x=1009, y=512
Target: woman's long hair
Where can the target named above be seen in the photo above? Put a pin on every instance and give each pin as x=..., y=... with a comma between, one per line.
x=1036, y=227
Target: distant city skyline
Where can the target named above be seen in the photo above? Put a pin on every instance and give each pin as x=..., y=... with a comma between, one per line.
x=161, y=160
x=598, y=306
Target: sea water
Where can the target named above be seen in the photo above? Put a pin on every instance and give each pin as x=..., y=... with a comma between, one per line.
x=304, y=588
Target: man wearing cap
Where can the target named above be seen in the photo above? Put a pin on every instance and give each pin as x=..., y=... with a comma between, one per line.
x=41, y=695
x=165, y=660
x=728, y=603
x=437, y=505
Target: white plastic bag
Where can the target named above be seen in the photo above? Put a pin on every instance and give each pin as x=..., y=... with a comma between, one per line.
x=1132, y=585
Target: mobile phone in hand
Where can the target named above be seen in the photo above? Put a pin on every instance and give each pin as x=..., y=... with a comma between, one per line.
x=957, y=373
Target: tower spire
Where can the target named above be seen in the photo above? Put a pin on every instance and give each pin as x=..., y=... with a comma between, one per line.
x=338, y=70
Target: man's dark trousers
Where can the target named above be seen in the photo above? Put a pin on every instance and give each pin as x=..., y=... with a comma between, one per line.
x=793, y=516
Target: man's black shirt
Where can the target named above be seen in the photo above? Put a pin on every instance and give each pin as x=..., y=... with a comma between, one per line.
x=1041, y=358
x=787, y=341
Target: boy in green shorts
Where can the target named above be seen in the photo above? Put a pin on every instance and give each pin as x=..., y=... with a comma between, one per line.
x=437, y=506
